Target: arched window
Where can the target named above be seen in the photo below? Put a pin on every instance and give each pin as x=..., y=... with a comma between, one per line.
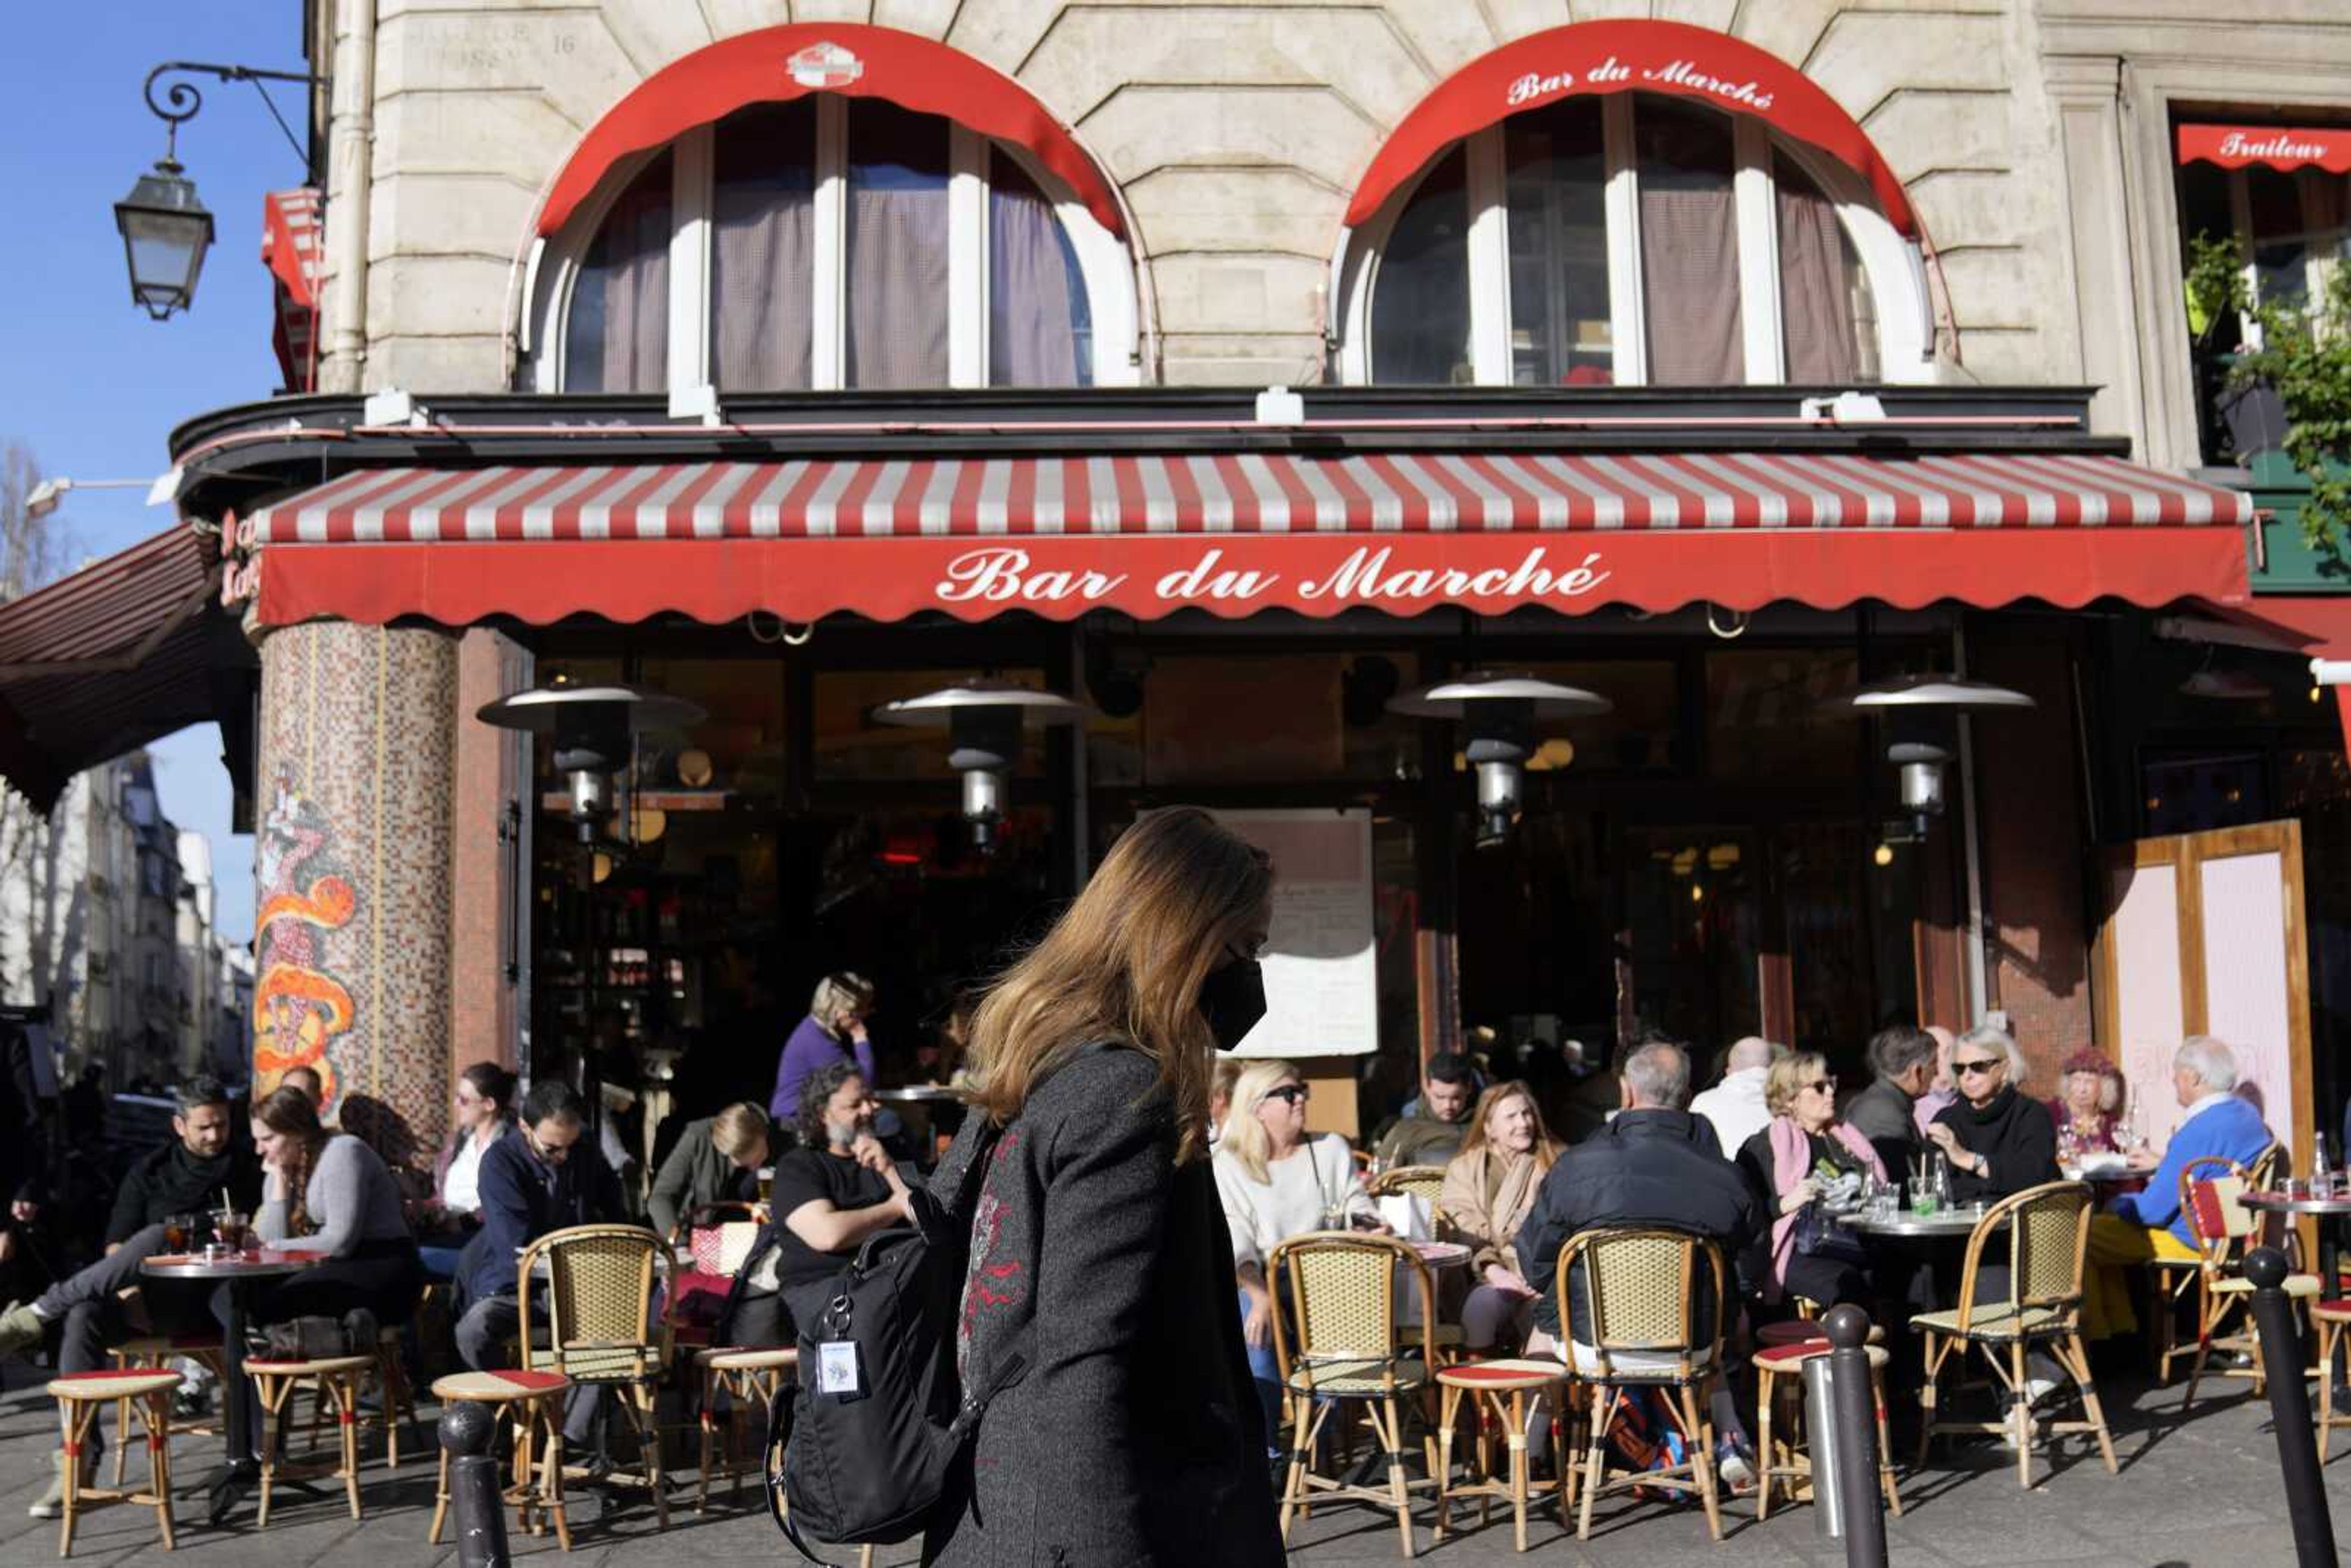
x=1631, y=239
x=825, y=243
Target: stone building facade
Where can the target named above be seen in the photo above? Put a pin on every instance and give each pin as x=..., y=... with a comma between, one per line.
x=2031, y=140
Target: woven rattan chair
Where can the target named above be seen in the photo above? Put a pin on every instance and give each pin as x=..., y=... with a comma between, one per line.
x=2224, y=1230
x=750, y=1377
x=81, y=1397
x=1642, y=1292
x=531, y=1402
x=1781, y=1459
x=2176, y=1277
x=2048, y=1228
x=156, y=1352
x=709, y=1243
x=333, y=1381
x=1424, y=1182
x=599, y=1301
x=1336, y=1338
x=1504, y=1394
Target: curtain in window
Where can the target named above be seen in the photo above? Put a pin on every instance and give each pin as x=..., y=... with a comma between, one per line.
x=1420, y=299
x=1689, y=245
x=1818, y=283
x=617, y=338
x=897, y=248
x=1040, y=326
x=762, y=250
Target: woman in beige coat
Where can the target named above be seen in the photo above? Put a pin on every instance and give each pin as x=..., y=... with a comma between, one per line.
x=1489, y=1186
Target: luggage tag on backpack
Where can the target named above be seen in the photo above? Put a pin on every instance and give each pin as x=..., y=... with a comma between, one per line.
x=836, y=1368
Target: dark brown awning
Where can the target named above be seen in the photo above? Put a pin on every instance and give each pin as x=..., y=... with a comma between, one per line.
x=123, y=651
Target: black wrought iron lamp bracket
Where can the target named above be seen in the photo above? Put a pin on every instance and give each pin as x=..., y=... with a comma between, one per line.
x=180, y=100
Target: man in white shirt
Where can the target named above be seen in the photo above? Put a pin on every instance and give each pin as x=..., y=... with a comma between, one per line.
x=1735, y=1106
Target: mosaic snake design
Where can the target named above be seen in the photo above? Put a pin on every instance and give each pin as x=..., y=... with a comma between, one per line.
x=298, y=1007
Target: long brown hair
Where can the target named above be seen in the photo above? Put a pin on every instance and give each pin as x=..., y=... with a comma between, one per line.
x=290, y=1113
x=1125, y=963
x=1547, y=1148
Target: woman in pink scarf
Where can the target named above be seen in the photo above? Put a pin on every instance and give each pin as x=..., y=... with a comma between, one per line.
x=1804, y=1151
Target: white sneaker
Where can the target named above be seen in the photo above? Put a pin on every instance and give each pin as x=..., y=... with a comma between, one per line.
x=2036, y=1389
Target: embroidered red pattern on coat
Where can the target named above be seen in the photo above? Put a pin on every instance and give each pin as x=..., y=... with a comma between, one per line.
x=992, y=1281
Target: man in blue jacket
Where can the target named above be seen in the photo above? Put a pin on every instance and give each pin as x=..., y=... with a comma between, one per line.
x=541, y=1176
x=2150, y=1224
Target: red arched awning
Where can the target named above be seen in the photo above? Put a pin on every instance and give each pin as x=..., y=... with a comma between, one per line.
x=777, y=64
x=1626, y=57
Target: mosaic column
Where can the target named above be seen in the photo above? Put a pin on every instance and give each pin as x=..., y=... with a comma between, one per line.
x=351, y=858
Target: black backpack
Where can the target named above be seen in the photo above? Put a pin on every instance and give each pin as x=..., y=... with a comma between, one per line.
x=871, y=1467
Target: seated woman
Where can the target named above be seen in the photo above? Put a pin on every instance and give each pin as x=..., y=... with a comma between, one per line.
x=837, y=1188
x=1489, y=1186
x=480, y=1116
x=716, y=1160
x=1999, y=1141
x=329, y=1193
x=2086, y=1122
x=1275, y=1182
x=1801, y=1151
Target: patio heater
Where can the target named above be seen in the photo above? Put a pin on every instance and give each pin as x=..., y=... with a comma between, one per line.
x=1922, y=715
x=983, y=719
x=1497, y=711
x=595, y=731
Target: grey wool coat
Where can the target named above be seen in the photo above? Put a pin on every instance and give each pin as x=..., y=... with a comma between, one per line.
x=1133, y=1437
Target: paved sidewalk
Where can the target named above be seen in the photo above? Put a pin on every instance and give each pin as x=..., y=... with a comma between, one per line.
x=2201, y=1493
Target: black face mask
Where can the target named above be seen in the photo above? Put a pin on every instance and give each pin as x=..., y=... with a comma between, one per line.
x=1232, y=999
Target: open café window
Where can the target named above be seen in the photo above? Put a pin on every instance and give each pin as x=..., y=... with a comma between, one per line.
x=1632, y=239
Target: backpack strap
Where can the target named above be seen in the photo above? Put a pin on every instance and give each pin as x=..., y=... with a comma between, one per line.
x=779, y=1433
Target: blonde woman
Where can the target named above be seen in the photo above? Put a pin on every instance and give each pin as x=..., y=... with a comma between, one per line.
x=1802, y=1151
x=1096, y=1326
x=1489, y=1186
x=834, y=1031
x=715, y=1160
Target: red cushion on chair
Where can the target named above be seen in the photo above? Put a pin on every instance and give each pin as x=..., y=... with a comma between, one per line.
x=1802, y=1350
x=2337, y=1307
x=1794, y=1331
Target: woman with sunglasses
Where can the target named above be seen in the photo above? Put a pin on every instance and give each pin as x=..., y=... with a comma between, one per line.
x=1998, y=1141
x=1277, y=1181
x=1803, y=1152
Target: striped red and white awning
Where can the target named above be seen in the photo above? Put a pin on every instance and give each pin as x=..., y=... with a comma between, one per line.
x=1050, y=534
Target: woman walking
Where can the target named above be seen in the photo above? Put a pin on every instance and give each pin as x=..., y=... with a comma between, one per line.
x=1100, y=1264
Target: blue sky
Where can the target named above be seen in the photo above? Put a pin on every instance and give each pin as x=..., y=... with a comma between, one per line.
x=87, y=383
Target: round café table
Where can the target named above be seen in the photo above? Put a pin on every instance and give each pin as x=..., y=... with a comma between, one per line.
x=919, y=1098
x=2320, y=1208
x=1944, y=1223
x=240, y=1270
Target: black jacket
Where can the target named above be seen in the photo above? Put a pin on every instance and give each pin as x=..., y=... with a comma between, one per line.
x=1133, y=1437
x=2014, y=1134
x=1644, y=1168
x=522, y=1200
x=1882, y=1113
x=171, y=1181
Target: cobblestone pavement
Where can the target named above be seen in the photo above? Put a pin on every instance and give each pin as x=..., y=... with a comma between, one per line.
x=2199, y=1493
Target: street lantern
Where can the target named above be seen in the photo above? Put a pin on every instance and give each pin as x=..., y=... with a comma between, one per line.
x=1921, y=714
x=595, y=730
x=983, y=719
x=1497, y=711
x=165, y=232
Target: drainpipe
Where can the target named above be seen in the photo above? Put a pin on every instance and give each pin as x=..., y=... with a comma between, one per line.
x=350, y=141
x=1978, y=998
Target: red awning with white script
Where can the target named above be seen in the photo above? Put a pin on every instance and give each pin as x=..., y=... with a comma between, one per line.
x=1235, y=533
x=1608, y=56
x=2274, y=146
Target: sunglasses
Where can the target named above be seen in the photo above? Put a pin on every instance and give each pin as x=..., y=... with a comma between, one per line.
x=1289, y=1093
x=1823, y=1085
x=1982, y=1065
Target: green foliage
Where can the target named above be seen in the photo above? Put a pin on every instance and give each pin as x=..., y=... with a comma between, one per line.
x=2306, y=358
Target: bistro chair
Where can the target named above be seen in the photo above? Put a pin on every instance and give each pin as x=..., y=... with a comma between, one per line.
x=80, y=1397
x=333, y=1380
x=599, y=1301
x=1644, y=1294
x=531, y=1402
x=2174, y=1277
x=2224, y=1228
x=708, y=1249
x=1503, y=1393
x=1424, y=1182
x=2048, y=1229
x=1336, y=1339
x=2330, y=1317
x=156, y=1352
x=1779, y=1380
x=750, y=1377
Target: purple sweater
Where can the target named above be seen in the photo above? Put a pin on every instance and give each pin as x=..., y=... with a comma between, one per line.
x=808, y=1048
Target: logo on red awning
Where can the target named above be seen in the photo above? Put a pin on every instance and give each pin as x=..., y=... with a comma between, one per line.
x=824, y=66
x=2272, y=146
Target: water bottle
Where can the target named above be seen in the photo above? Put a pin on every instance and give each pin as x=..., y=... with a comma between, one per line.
x=2321, y=1181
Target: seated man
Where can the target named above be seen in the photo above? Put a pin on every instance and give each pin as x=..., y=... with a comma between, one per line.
x=1735, y=1106
x=1903, y=1057
x=1653, y=1164
x=1431, y=1132
x=2139, y=1225
x=836, y=1189
x=540, y=1176
x=186, y=1176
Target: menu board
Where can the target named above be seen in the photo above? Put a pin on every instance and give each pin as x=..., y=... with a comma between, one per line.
x=1322, y=974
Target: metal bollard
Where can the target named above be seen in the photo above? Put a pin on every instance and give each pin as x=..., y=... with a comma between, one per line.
x=466, y=1431
x=1862, y=1506
x=2283, y=1359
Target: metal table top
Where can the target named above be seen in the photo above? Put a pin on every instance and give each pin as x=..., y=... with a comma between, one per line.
x=2278, y=1203
x=268, y=1263
x=1902, y=1222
